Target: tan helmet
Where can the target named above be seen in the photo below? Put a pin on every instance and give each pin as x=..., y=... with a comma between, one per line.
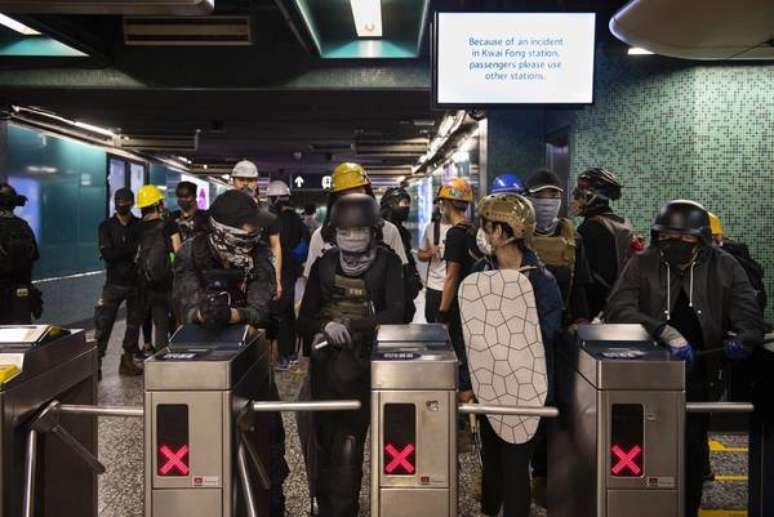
x=512, y=209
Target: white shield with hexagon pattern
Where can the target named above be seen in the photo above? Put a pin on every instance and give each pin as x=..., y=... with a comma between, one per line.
x=506, y=358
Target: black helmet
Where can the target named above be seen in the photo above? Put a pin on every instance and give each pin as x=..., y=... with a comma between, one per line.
x=354, y=210
x=9, y=199
x=601, y=182
x=542, y=179
x=393, y=196
x=685, y=217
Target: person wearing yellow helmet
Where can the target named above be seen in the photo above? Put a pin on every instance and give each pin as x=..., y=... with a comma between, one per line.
x=158, y=240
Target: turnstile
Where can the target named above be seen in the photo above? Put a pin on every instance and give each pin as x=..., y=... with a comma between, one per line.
x=40, y=363
x=617, y=448
x=199, y=423
x=413, y=422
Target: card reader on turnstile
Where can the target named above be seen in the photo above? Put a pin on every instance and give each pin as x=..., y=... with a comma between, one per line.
x=617, y=449
x=197, y=393
x=413, y=422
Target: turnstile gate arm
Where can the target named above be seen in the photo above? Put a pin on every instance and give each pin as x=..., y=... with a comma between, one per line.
x=117, y=411
x=319, y=405
x=30, y=463
x=719, y=407
x=48, y=422
x=244, y=477
x=485, y=409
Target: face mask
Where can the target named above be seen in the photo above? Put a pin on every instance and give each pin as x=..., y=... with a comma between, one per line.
x=546, y=212
x=123, y=209
x=185, y=205
x=677, y=252
x=483, y=242
x=401, y=213
x=356, y=240
x=233, y=244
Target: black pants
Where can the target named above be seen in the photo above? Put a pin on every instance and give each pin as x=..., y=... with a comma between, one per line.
x=279, y=468
x=504, y=474
x=696, y=426
x=284, y=313
x=432, y=304
x=15, y=305
x=105, y=316
x=159, y=302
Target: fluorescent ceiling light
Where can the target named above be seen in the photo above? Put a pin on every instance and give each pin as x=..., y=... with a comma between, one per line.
x=637, y=51
x=17, y=26
x=368, y=17
x=95, y=129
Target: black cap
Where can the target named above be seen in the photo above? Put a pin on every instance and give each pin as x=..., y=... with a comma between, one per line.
x=124, y=194
x=235, y=208
x=9, y=199
x=685, y=217
x=543, y=179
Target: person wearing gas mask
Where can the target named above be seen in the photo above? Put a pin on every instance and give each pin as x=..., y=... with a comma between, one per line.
x=225, y=277
x=696, y=300
x=244, y=177
x=354, y=287
x=19, y=300
x=561, y=250
x=395, y=208
x=294, y=239
x=118, y=248
x=190, y=219
x=607, y=237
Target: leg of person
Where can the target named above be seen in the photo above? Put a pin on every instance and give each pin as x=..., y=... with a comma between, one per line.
x=286, y=335
x=540, y=463
x=105, y=315
x=491, y=468
x=695, y=434
x=147, y=329
x=134, y=308
x=161, y=305
x=432, y=304
x=517, y=499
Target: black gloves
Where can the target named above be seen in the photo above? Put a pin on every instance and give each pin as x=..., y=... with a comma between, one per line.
x=214, y=310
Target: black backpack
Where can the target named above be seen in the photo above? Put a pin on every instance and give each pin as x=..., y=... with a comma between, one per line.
x=153, y=255
x=17, y=246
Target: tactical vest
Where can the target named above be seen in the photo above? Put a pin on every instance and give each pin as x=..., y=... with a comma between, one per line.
x=349, y=299
x=558, y=253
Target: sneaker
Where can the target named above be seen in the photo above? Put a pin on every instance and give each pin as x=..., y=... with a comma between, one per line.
x=282, y=364
x=128, y=366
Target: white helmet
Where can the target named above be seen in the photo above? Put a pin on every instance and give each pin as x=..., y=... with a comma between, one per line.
x=277, y=188
x=245, y=169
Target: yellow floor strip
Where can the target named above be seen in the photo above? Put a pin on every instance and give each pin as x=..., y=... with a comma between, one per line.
x=722, y=513
x=716, y=446
x=730, y=477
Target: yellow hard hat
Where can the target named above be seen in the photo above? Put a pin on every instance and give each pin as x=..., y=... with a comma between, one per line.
x=149, y=195
x=347, y=176
x=715, y=226
x=457, y=189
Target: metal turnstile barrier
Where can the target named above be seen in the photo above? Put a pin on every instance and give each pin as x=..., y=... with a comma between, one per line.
x=40, y=363
x=414, y=413
x=618, y=448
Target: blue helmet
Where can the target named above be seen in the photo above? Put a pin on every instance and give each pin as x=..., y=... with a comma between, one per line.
x=507, y=183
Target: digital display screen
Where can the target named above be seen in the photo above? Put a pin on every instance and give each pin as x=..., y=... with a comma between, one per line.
x=400, y=439
x=627, y=451
x=173, y=453
x=483, y=59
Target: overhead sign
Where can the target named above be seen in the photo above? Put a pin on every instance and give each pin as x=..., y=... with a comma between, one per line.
x=310, y=182
x=483, y=59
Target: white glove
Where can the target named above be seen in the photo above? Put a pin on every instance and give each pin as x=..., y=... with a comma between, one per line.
x=338, y=333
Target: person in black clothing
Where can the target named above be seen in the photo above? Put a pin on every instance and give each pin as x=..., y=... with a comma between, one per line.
x=294, y=238
x=395, y=207
x=190, y=219
x=607, y=237
x=158, y=240
x=118, y=247
x=352, y=288
x=19, y=300
x=692, y=297
x=224, y=276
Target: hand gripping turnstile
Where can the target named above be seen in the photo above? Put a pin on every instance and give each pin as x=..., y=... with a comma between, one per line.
x=40, y=363
x=617, y=449
x=414, y=414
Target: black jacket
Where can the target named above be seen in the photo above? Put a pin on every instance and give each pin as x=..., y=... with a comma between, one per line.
x=18, y=251
x=118, y=247
x=722, y=298
x=189, y=290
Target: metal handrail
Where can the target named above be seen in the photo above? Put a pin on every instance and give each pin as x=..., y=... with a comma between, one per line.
x=719, y=407
x=486, y=409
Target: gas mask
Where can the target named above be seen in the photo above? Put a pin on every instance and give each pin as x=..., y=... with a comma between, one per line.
x=401, y=213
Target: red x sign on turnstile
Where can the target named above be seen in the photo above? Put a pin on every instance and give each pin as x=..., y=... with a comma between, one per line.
x=399, y=459
x=626, y=460
x=174, y=460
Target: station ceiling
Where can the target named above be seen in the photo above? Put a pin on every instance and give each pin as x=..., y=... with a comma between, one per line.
x=258, y=88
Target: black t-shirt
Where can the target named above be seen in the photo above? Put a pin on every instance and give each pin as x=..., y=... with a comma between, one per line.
x=170, y=228
x=291, y=230
x=189, y=227
x=461, y=248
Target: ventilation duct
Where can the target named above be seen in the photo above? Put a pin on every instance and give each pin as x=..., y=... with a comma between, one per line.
x=165, y=143
x=128, y=7
x=188, y=32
